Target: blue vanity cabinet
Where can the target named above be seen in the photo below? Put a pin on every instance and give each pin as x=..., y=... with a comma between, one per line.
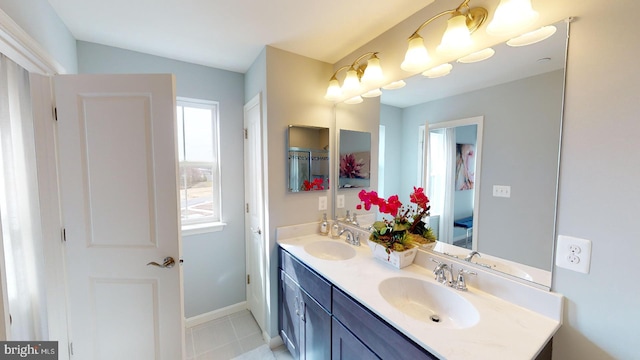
x=346, y=346
x=305, y=317
x=372, y=332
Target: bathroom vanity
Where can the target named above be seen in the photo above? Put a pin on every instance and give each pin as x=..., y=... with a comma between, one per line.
x=337, y=302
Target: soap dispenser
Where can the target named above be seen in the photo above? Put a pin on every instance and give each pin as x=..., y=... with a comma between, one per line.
x=324, y=225
x=335, y=229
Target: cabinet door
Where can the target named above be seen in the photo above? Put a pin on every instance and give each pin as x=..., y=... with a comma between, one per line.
x=345, y=346
x=315, y=339
x=374, y=332
x=289, y=314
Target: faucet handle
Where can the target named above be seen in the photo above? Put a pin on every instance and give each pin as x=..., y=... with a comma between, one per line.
x=461, y=284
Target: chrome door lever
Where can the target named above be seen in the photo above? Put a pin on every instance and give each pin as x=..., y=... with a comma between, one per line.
x=168, y=263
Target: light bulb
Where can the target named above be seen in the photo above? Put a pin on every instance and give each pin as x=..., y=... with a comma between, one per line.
x=351, y=82
x=333, y=91
x=511, y=16
x=457, y=36
x=373, y=72
x=417, y=58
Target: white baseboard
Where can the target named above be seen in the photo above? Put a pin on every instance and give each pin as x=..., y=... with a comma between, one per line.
x=273, y=342
x=216, y=314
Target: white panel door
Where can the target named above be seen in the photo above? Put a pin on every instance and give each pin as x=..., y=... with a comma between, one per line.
x=118, y=176
x=254, y=223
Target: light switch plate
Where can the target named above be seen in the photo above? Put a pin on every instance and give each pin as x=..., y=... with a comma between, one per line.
x=322, y=203
x=502, y=191
x=340, y=201
x=573, y=253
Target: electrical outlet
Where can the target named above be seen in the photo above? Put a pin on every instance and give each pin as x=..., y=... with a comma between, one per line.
x=573, y=253
x=502, y=191
x=322, y=203
x=340, y=201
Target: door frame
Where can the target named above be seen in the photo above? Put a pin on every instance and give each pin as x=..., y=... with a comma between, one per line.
x=19, y=46
x=256, y=101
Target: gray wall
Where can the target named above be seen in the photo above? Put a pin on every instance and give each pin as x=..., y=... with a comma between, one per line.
x=598, y=198
x=40, y=21
x=214, y=263
x=292, y=94
x=518, y=117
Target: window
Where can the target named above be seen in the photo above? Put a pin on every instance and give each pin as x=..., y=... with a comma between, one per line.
x=198, y=158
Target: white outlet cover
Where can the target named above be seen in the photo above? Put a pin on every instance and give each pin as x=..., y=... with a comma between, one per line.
x=322, y=203
x=340, y=201
x=573, y=253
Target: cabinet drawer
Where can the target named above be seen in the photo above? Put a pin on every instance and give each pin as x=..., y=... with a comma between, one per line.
x=375, y=333
x=308, y=280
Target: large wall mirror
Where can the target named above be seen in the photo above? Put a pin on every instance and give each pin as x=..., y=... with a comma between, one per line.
x=519, y=94
x=308, y=158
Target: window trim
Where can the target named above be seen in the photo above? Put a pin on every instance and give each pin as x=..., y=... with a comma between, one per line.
x=208, y=224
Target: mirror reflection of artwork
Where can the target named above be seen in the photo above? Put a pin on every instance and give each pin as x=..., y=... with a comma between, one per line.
x=465, y=166
x=355, y=159
x=355, y=165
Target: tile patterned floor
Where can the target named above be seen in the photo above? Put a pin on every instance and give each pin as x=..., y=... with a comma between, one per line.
x=226, y=338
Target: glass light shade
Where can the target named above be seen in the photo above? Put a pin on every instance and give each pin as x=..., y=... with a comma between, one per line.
x=511, y=16
x=457, y=36
x=438, y=71
x=351, y=82
x=373, y=72
x=477, y=56
x=372, y=93
x=395, y=85
x=354, y=100
x=417, y=58
x=533, y=36
x=333, y=91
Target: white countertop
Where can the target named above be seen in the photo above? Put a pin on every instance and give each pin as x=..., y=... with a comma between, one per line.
x=504, y=331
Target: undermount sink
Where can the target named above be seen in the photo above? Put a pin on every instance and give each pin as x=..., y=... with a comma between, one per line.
x=429, y=302
x=330, y=250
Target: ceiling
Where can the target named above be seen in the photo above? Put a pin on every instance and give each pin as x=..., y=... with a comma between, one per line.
x=229, y=35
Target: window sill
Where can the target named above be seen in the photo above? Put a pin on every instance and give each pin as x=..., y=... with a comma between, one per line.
x=196, y=229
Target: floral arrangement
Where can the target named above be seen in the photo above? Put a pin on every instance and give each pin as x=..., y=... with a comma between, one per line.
x=406, y=229
x=316, y=184
x=351, y=167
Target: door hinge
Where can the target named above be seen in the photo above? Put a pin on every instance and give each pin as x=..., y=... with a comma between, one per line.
x=63, y=235
x=55, y=113
x=248, y=279
x=247, y=207
x=246, y=133
x=71, y=348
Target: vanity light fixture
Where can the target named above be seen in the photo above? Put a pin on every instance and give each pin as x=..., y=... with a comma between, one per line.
x=395, y=85
x=457, y=37
x=477, y=56
x=372, y=93
x=354, y=100
x=358, y=76
x=533, y=36
x=511, y=16
x=438, y=71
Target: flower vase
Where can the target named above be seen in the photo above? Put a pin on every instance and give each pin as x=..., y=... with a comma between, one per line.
x=397, y=259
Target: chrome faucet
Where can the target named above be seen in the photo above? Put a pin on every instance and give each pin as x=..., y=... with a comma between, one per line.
x=471, y=255
x=458, y=283
x=441, y=276
x=350, y=237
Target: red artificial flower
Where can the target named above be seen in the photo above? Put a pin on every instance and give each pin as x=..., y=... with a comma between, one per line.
x=419, y=198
